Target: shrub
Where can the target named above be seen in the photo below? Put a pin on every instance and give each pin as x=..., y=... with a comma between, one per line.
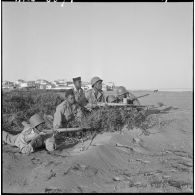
x=21, y=105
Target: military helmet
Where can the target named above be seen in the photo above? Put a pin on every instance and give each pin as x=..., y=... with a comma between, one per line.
x=36, y=120
x=94, y=80
x=111, y=98
x=121, y=91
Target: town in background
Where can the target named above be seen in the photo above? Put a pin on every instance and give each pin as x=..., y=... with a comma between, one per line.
x=56, y=85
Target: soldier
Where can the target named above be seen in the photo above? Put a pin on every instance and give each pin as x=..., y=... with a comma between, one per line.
x=95, y=95
x=31, y=137
x=123, y=93
x=78, y=92
x=111, y=99
x=67, y=111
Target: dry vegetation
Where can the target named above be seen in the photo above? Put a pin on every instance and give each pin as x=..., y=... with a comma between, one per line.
x=20, y=105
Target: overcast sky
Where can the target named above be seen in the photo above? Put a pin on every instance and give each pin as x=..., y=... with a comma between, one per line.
x=138, y=45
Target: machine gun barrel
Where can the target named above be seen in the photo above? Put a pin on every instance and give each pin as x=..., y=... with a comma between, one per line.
x=120, y=104
x=60, y=130
x=140, y=97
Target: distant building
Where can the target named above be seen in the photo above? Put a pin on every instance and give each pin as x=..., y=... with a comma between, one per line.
x=71, y=85
x=22, y=85
x=7, y=85
x=60, y=83
x=31, y=84
x=85, y=83
x=50, y=86
x=19, y=81
x=42, y=82
x=43, y=86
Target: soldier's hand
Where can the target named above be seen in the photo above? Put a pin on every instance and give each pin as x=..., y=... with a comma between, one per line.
x=55, y=132
x=36, y=142
x=89, y=109
x=69, y=117
x=102, y=104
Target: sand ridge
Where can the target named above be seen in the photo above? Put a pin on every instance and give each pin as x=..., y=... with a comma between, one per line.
x=125, y=161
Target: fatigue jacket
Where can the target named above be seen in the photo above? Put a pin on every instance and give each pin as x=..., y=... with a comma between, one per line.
x=130, y=96
x=80, y=97
x=65, y=113
x=23, y=139
x=92, y=99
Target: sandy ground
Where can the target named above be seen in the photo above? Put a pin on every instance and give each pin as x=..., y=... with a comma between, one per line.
x=159, y=162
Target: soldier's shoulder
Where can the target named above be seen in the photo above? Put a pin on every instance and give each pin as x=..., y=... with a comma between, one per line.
x=27, y=130
x=62, y=105
x=76, y=105
x=101, y=91
x=88, y=92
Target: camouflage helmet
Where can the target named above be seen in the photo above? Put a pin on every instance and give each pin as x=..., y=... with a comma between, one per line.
x=111, y=98
x=121, y=91
x=94, y=80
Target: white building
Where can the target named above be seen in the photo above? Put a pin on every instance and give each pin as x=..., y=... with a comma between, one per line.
x=7, y=85
x=86, y=87
x=60, y=82
x=41, y=82
x=22, y=85
x=19, y=81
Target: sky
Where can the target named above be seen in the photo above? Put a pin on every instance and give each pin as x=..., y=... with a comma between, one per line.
x=137, y=45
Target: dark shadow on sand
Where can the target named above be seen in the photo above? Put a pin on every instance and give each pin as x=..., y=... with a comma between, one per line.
x=163, y=111
x=64, y=145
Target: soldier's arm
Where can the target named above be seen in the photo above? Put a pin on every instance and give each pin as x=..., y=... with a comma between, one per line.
x=27, y=149
x=57, y=122
x=79, y=113
x=89, y=105
x=83, y=99
x=68, y=116
x=28, y=134
x=132, y=97
x=30, y=137
x=36, y=142
x=104, y=98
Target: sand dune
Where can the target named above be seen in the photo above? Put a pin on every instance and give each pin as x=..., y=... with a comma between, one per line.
x=126, y=161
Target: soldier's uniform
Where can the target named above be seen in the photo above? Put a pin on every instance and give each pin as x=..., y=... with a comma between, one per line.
x=29, y=139
x=92, y=99
x=22, y=140
x=80, y=97
x=66, y=112
x=111, y=99
x=79, y=93
x=130, y=97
